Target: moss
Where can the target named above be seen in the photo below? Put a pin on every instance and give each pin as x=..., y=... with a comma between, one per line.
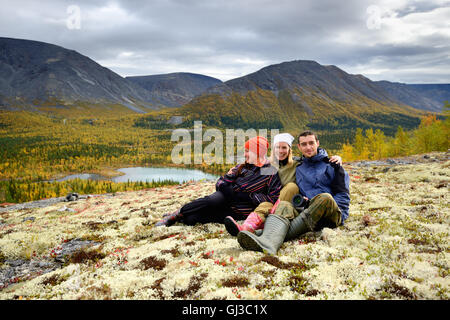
x=385, y=237
x=298, y=283
x=166, y=236
x=154, y=263
x=274, y=261
x=158, y=288
x=195, y=285
x=236, y=281
x=54, y=280
x=83, y=256
x=174, y=252
x=390, y=289
x=2, y=258
x=102, y=291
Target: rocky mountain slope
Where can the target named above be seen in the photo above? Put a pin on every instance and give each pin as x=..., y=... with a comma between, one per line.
x=310, y=75
x=299, y=93
x=337, y=85
x=36, y=73
x=429, y=97
x=394, y=245
x=175, y=89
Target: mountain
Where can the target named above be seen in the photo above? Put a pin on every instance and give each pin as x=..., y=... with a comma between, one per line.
x=429, y=97
x=174, y=89
x=309, y=75
x=338, y=85
x=300, y=94
x=33, y=72
x=292, y=95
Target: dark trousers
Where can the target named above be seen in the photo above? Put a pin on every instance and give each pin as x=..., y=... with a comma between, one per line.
x=212, y=208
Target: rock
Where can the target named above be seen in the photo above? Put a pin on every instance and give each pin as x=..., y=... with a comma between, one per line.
x=328, y=234
x=64, y=208
x=29, y=219
x=15, y=263
x=72, y=196
x=71, y=247
x=45, y=264
x=24, y=269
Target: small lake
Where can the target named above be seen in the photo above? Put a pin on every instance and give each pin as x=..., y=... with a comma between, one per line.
x=149, y=174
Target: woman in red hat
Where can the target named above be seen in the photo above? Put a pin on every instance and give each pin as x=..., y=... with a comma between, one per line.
x=241, y=190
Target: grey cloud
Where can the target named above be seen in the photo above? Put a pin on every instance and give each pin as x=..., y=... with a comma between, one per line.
x=420, y=6
x=220, y=36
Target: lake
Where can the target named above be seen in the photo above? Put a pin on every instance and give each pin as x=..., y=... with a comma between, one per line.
x=148, y=174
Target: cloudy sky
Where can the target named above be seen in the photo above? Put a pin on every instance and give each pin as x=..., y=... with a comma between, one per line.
x=395, y=40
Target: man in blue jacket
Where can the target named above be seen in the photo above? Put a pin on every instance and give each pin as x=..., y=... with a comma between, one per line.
x=324, y=185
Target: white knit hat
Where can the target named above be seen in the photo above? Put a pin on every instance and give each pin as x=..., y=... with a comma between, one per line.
x=283, y=137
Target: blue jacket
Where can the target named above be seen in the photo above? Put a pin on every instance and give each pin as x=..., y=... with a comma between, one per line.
x=316, y=175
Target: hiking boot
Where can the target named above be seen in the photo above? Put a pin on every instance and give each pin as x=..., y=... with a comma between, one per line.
x=170, y=219
x=252, y=223
x=272, y=238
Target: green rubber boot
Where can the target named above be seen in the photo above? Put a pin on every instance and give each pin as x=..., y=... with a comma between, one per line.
x=275, y=229
x=297, y=227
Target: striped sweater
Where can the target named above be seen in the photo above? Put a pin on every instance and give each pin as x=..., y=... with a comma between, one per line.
x=262, y=183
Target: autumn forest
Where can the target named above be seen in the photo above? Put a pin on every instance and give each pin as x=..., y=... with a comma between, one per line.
x=39, y=147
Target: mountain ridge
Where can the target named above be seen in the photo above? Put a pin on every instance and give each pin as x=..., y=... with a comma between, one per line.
x=373, y=90
x=301, y=94
x=34, y=71
x=174, y=89
x=38, y=73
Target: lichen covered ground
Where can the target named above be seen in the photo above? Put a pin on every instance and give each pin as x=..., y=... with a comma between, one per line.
x=395, y=245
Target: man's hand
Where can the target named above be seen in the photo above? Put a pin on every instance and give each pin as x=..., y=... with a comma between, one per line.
x=336, y=160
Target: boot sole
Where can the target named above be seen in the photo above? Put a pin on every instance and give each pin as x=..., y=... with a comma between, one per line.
x=247, y=242
x=231, y=226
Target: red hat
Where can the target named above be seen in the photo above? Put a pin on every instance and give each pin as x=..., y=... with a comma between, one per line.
x=258, y=145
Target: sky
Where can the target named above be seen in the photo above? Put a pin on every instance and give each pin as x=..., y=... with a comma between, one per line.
x=394, y=40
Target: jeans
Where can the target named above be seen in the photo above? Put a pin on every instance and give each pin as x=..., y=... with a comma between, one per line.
x=213, y=208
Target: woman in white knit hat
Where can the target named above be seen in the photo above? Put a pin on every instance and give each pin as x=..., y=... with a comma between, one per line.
x=282, y=159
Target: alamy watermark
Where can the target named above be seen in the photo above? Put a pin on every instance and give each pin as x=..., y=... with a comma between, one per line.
x=373, y=22
x=186, y=152
x=73, y=21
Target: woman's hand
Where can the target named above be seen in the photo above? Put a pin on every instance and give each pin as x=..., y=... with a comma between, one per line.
x=230, y=172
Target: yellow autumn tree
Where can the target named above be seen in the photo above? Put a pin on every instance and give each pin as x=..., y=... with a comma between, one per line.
x=347, y=152
x=431, y=135
x=401, y=143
